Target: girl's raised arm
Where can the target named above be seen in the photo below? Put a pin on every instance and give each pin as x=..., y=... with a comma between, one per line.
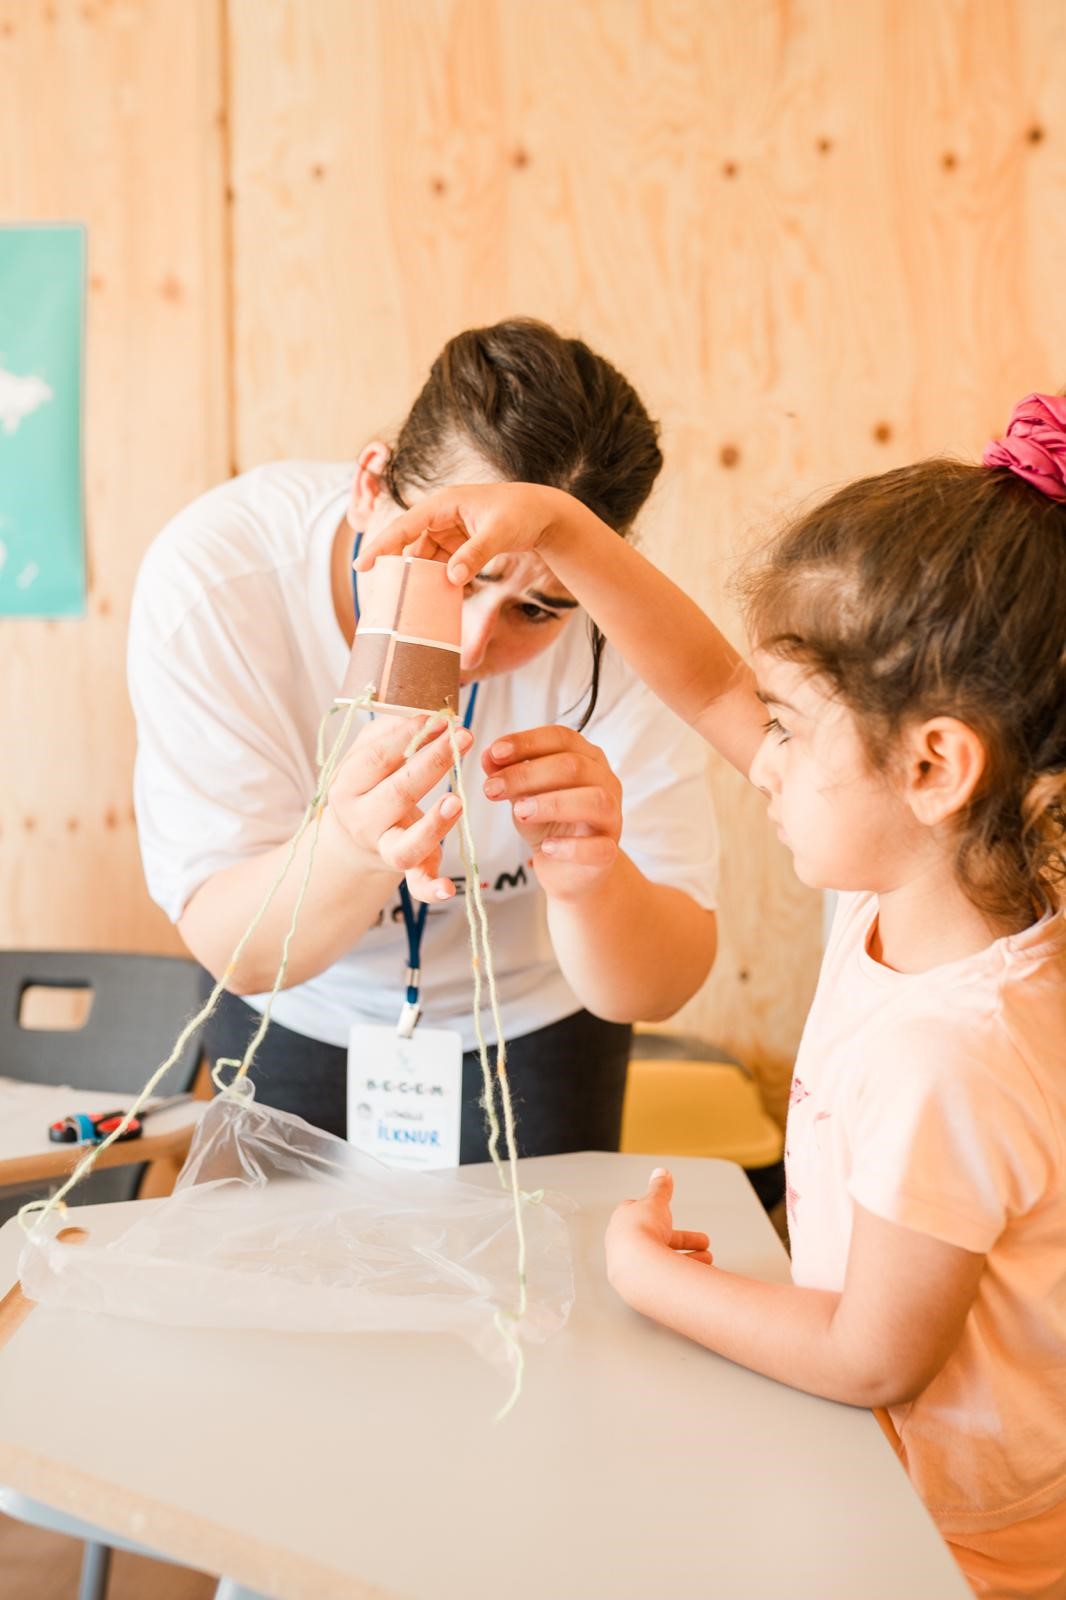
x=663, y=634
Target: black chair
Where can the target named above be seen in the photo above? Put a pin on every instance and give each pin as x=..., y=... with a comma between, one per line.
x=138, y=1007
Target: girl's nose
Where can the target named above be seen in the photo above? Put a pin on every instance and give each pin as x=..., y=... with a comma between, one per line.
x=762, y=772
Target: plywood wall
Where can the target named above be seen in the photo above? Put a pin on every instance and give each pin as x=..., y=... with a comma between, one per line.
x=110, y=114
x=822, y=238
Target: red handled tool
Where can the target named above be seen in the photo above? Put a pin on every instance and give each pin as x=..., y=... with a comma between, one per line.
x=93, y=1127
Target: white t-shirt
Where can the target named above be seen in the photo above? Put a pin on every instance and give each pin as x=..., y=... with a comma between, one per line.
x=235, y=652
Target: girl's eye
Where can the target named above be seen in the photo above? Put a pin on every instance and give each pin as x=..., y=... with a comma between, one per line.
x=777, y=728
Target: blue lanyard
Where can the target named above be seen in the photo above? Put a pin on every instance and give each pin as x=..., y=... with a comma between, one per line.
x=414, y=921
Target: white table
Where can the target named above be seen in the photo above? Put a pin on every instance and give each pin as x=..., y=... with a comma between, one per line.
x=27, y=1110
x=636, y=1466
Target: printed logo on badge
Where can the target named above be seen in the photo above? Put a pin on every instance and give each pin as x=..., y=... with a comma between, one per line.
x=405, y=1095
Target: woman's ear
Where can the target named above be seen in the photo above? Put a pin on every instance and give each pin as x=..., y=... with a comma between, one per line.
x=944, y=763
x=368, y=484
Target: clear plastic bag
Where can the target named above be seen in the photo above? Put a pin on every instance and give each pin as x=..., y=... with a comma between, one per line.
x=274, y=1224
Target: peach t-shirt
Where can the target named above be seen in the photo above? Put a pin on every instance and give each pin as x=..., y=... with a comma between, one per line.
x=938, y=1100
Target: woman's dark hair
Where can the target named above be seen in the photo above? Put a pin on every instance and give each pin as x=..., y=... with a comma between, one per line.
x=940, y=590
x=539, y=409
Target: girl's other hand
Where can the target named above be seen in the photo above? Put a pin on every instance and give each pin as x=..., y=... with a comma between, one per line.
x=641, y=1229
x=566, y=804
x=375, y=799
x=467, y=524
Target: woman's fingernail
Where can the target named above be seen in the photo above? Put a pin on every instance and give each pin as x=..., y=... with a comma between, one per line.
x=525, y=809
x=549, y=847
x=450, y=806
x=494, y=788
x=502, y=751
x=660, y=1172
x=443, y=894
x=459, y=573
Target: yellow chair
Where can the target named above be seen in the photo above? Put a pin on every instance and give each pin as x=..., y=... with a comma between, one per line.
x=697, y=1108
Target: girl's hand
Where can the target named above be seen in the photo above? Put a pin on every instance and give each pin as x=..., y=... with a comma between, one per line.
x=375, y=794
x=641, y=1229
x=566, y=804
x=467, y=524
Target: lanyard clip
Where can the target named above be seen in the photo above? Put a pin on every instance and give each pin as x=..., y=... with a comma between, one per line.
x=410, y=1010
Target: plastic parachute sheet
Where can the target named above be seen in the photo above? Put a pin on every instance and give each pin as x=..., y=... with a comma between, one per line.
x=274, y=1224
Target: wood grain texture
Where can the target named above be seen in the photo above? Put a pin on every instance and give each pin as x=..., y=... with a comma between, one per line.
x=823, y=237
x=818, y=237
x=110, y=114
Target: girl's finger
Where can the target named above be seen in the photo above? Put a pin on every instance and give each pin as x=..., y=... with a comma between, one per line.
x=436, y=546
x=438, y=515
x=477, y=551
x=469, y=519
x=685, y=1239
x=701, y=1255
x=462, y=522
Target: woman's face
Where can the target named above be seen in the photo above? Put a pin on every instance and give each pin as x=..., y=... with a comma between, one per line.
x=513, y=610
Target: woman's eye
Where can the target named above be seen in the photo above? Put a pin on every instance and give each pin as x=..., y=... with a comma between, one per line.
x=776, y=728
x=533, y=613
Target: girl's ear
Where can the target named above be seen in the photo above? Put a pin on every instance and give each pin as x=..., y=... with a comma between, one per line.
x=944, y=763
x=368, y=483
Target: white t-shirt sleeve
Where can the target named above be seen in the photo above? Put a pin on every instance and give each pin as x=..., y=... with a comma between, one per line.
x=669, y=829
x=947, y=1135
x=214, y=782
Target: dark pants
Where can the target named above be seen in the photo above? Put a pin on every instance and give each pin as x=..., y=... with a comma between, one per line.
x=567, y=1080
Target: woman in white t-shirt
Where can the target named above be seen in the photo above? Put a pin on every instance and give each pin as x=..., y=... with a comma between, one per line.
x=587, y=799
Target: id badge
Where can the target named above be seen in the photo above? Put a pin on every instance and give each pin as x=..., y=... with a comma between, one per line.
x=405, y=1095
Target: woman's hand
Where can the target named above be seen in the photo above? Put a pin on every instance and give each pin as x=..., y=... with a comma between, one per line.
x=467, y=524
x=375, y=796
x=642, y=1229
x=566, y=804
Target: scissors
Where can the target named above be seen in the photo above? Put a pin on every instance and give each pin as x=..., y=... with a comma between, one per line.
x=93, y=1127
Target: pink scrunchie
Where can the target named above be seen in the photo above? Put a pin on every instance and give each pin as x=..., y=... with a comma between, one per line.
x=1034, y=445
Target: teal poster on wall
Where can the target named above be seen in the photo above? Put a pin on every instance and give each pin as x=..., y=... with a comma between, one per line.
x=42, y=298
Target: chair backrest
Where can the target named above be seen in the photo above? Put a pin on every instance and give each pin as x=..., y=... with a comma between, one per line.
x=139, y=1005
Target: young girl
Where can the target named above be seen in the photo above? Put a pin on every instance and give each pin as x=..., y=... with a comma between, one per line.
x=910, y=650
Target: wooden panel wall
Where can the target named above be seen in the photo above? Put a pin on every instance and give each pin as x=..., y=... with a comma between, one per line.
x=821, y=236
x=817, y=236
x=110, y=114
